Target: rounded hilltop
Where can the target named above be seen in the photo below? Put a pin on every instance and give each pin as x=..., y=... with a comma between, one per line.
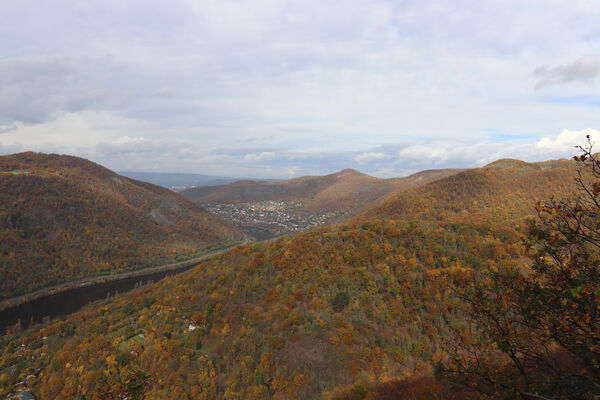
x=64, y=218
x=505, y=163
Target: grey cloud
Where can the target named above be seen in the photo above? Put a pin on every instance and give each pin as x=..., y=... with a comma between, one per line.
x=35, y=89
x=165, y=92
x=304, y=75
x=148, y=148
x=241, y=152
x=11, y=149
x=584, y=69
x=7, y=128
x=83, y=101
x=33, y=69
x=29, y=86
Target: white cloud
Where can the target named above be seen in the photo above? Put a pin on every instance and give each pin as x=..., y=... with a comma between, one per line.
x=292, y=171
x=387, y=173
x=423, y=154
x=318, y=86
x=461, y=154
x=370, y=156
x=265, y=155
x=71, y=131
x=567, y=140
x=138, y=152
x=7, y=128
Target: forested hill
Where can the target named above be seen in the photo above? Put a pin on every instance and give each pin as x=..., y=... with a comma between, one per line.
x=268, y=209
x=286, y=319
x=328, y=313
x=347, y=189
x=503, y=190
x=64, y=217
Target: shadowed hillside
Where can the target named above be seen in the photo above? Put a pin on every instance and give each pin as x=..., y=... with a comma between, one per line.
x=64, y=217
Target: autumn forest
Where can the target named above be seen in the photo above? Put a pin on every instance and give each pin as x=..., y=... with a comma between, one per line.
x=479, y=284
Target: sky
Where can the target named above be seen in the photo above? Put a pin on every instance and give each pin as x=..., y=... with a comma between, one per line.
x=279, y=89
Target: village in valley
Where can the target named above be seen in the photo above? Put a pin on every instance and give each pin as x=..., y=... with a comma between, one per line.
x=266, y=219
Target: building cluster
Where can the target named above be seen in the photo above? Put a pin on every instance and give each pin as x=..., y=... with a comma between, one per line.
x=279, y=217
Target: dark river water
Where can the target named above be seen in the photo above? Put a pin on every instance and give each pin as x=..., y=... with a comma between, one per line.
x=71, y=300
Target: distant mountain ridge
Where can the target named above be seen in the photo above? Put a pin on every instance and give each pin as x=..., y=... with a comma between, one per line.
x=177, y=181
x=181, y=181
x=65, y=217
x=346, y=188
x=307, y=201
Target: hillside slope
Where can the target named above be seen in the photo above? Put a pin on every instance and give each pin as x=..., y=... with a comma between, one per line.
x=303, y=203
x=292, y=318
x=502, y=190
x=64, y=217
x=299, y=317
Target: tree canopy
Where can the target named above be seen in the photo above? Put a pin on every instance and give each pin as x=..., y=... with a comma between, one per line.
x=537, y=328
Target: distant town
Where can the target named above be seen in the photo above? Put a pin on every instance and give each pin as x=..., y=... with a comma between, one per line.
x=267, y=219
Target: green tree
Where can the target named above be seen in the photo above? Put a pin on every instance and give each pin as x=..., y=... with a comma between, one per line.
x=340, y=301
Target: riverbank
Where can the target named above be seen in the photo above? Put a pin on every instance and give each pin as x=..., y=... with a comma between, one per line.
x=93, y=280
x=62, y=300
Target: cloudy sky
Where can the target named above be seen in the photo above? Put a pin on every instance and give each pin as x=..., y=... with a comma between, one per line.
x=275, y=88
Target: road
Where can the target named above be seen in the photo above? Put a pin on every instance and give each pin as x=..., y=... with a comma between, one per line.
x=12, y=302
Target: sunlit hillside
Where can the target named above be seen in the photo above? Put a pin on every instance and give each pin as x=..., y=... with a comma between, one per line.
x=504, y=190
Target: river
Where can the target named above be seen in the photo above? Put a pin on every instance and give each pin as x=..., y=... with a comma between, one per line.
x=74, y=295
x=71, y=300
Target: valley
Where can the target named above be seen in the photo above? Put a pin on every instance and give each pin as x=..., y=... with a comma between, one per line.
x=265, y=210
x=300, y=200
x=61, y=300
x=268, y=219
x=374, y=303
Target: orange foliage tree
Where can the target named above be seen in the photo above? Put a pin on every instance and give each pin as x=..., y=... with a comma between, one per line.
x=538, y=333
